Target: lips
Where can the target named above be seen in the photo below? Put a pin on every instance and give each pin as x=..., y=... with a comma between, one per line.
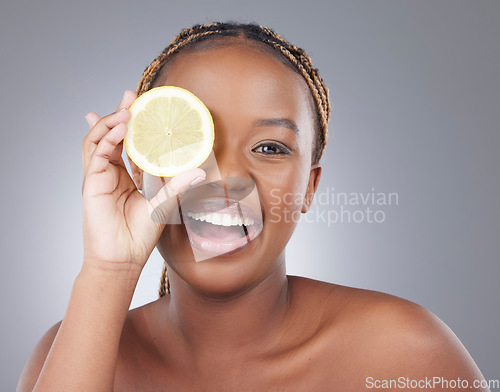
x=217, y=226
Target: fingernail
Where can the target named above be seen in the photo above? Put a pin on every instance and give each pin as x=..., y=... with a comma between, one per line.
x=122, y=109
x=197, y=180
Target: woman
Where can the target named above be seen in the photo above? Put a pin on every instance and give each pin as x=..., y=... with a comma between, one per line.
x=235, y=321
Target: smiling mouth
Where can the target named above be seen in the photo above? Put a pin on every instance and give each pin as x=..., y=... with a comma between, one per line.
x=218, y=226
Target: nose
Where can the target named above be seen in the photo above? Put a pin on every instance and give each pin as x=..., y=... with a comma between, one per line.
x=226, y=171
x=238, y=188
x=229, y=158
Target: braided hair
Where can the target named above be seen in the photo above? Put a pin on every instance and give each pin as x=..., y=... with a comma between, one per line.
x=293, y=56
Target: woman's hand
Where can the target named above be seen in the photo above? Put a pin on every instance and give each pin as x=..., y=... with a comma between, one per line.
x=119, y=227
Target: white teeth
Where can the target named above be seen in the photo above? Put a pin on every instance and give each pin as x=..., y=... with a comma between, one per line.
x=227, y=220
x=217, y=218
x=249, y=222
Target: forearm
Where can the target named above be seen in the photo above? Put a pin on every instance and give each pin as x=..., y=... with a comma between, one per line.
x=84, y=353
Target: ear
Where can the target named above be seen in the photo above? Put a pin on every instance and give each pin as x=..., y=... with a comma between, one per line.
x=312, y=185
x=136, y=174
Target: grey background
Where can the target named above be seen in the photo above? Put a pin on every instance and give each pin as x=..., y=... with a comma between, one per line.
x=415, y=91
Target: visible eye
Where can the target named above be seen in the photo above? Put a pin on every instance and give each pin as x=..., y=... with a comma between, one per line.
x=271, y=148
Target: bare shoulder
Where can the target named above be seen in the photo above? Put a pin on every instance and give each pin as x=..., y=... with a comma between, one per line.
x=385, y=336
x=35, y=362
x=138, y=357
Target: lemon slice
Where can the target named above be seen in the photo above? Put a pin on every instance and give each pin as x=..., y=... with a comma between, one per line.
x=170, y=131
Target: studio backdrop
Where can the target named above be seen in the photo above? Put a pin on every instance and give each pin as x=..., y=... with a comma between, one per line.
x=408, y=199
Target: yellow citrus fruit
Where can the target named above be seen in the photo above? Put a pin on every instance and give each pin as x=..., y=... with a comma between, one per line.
x=170, y=131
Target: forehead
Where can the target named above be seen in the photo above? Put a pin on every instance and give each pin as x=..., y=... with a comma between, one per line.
x=244, y=75
x=221, y=42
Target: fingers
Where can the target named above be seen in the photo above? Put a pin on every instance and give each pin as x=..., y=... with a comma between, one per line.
x=100, y=127
x=128, y=97
x=100, y=158
x=165, y=201
x=92, y=119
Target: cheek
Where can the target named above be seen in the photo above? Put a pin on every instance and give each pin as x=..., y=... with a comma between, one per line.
x=284, y=207
x=283, y=193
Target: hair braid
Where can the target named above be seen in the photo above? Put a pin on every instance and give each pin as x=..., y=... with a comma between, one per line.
x=164, y=283
x=295, y=57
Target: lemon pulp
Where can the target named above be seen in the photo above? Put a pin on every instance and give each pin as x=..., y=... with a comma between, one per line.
x=170, y=131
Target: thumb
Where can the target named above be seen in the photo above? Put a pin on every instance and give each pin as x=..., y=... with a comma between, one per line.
x=165, y=201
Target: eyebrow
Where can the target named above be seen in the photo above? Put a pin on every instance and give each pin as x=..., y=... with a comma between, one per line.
x=280, y=122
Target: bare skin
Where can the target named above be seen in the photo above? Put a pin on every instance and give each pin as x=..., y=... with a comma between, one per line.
x=234, y=322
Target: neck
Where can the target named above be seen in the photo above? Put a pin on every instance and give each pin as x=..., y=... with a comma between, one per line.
x=246, y=320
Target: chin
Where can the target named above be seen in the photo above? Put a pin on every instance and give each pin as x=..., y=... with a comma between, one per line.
x=217, y=276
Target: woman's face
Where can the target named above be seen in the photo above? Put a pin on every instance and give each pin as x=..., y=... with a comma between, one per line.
x=264, y=135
